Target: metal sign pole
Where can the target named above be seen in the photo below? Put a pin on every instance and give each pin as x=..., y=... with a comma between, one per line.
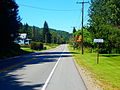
x=98, y=41
x=98, y=54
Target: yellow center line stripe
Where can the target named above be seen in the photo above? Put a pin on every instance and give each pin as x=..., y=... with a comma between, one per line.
x=11, y=67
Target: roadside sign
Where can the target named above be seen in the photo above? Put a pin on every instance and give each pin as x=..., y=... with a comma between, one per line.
x=98, y=40
x=79, y=37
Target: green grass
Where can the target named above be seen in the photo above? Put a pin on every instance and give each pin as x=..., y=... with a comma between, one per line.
x=28, y=49
x=107, y=71
x=11, y=53
x=50, y=46
x=25, y=49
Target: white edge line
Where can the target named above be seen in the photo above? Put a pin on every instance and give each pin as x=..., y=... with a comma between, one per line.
x=50, y=76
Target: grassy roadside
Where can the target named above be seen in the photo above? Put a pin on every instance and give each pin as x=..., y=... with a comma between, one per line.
x=48, y=46
x=25, y=49
x=11, y=53
x=107, y=71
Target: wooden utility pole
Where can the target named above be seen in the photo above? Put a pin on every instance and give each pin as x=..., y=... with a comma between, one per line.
x=82, y=21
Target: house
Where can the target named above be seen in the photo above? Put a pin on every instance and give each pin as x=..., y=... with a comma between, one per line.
x=22, y=39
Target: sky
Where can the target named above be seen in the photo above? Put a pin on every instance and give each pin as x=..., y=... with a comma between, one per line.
x=59, y=14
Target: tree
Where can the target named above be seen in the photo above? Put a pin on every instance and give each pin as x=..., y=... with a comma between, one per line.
x=26, y=28
x=105, y=22
x=53, y=36
x=74, y=30
x=9, y=22
x=33, y=33
x=46, y=33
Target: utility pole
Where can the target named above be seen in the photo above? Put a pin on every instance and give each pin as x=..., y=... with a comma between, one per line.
x=82, y=21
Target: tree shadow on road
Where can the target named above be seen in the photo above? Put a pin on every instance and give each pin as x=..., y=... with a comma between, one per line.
x=11, y=82
x=56, y=53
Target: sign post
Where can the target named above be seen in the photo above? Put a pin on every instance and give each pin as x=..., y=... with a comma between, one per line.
x=98, y=41
x=98, y=53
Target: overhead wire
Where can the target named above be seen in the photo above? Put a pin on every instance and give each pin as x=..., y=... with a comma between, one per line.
x=46, y=9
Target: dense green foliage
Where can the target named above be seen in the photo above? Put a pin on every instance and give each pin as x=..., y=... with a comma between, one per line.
x=87, y=39
x=9, y=26
x=36, y=34
x=46, y=33
x=9, y=23
x=105, y=23
x=36, y=45
x=74, y=30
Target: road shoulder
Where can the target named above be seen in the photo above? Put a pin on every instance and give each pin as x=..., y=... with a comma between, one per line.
x=90, y=82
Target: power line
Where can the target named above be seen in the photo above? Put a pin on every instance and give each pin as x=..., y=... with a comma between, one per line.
x=82, y=22
x=46, y=9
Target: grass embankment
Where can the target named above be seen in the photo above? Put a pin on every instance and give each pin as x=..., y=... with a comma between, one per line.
x=11, y=53
x=107, y=71
x=28, y=49
x=25, y=49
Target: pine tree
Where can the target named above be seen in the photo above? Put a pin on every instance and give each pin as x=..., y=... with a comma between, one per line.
x=74, y=30
x=9, y=22
x=33, y=33
x=26, y=28
x=46, y=33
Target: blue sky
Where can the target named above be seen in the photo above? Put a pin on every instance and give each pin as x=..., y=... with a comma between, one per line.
x=59, y=14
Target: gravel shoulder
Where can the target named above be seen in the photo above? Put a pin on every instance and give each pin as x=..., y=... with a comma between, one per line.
x=90, y=82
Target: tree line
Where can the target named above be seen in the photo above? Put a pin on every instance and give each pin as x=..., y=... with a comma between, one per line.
x=11, y=26
x=45, y=34
x=104, y=23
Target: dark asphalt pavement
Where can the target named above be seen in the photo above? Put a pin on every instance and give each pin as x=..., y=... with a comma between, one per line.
x=32, y=71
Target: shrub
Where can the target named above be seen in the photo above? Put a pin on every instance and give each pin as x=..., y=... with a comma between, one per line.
x=45, y=48
x=36, y=45
x=24, y=46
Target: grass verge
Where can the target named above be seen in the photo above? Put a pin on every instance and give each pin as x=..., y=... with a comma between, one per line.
x=11, y=53
x=25, y=49
x=107, y=72
x=28, y=49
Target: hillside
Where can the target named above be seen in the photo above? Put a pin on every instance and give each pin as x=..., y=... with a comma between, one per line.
x=35, y=33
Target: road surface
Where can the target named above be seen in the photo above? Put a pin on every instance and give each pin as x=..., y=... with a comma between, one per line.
x=47, y=70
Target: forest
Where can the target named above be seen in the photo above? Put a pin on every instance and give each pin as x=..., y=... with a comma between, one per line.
x=40, y=34
x=11, y=27
x=104, y=23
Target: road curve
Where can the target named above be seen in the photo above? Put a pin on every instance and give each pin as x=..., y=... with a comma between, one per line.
x=47, y=70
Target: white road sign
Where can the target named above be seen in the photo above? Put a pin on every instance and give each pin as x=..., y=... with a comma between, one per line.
x=98, y=40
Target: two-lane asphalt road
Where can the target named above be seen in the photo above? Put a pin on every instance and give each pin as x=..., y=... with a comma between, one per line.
x=47, y=70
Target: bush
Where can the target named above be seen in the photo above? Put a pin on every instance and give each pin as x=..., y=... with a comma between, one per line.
x=45, y=48
x=24, y=46
x=36, y=45
x=11, y=50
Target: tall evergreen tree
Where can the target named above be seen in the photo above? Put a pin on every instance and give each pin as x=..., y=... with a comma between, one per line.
x=46, y=33
x=74, y=30
x=33, y=33
x=26, y=28
x=9, y=22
